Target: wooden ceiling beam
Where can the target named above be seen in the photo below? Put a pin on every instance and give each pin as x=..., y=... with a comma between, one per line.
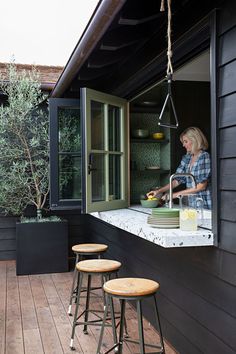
x=135, y=22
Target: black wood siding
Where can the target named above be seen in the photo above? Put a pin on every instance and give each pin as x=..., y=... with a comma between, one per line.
x=197, y=285
x=7, y=238
x=197, y=292
x=227, y=140
x=77, y=226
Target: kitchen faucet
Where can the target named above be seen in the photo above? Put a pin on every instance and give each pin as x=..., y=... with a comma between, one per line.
x=171, y=189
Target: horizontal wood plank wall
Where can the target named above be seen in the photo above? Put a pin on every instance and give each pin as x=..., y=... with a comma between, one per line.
x=77, y=225
x=198, y=285
x=197, y=304
x=7, y=238
x=227, y=140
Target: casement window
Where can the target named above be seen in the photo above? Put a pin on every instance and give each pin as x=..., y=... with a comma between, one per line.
x=89, y=152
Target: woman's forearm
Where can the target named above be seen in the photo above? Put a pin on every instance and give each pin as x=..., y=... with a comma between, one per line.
x=200, y=187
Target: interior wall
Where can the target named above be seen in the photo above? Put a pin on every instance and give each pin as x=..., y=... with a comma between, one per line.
x=192, y=104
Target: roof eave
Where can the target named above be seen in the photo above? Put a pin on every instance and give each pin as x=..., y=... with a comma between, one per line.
x=99, y=23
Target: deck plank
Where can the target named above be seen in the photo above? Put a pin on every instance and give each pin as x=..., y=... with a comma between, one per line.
x=61, y=318
x=49, y=335
x=14, y=335
x=87, y=342
x=31, y=333
x=3, y=292
x=34, y=319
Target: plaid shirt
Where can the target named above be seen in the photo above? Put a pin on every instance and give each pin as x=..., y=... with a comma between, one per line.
x=201, y=170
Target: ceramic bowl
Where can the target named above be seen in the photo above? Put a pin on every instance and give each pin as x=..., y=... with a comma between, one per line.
x=148, y=203
x=140, y=133
x=158, y=135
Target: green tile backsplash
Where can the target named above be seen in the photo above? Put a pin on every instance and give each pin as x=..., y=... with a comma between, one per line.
x=143, y=155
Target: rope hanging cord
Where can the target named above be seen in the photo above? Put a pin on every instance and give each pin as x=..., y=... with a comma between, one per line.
x=169, y=70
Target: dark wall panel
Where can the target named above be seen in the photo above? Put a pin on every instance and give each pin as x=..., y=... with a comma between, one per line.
x=187, y=293
x=7, y=238
x=7, y=222
x=228, y=206
x=227, y=51
x=227, y=16
x=227, y=82
x=7, y=255
x=228, y=241
x=8, y=245
x=228, y=142
x=228, y=174
x=227, y=109
x=77, y=227
x=7, y=233
x=228, y=268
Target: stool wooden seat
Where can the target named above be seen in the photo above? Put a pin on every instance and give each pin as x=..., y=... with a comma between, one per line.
x=124, y=287
x=93, y=267
x=98, y=266
x=89, y=248
x=81, y=251
x=135, y=289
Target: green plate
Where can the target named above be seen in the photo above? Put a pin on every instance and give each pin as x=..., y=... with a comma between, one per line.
x=165, y=212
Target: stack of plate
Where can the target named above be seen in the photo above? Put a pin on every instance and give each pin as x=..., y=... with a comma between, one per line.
x=164, y=218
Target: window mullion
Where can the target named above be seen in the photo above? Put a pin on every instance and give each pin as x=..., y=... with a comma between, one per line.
x=106, y=146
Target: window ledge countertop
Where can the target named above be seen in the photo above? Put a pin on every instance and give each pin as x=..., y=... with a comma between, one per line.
x=134, y=220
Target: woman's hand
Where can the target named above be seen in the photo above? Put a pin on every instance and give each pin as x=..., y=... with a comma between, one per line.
x=176, y=195
x=155, y=193
x=151, y=194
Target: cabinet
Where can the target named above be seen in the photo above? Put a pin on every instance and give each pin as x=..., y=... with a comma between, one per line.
x=147, y=153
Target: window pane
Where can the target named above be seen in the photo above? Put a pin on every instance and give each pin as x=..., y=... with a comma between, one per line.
x=69, y=177
x=114, y=128
x=98, y=178
x=114, y=177
x=69, y=138
x=97, y=125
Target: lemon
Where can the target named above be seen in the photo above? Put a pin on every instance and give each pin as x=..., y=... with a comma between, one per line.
x=188, y=214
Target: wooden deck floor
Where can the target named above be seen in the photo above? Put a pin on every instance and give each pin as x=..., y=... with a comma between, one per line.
x=34, y=320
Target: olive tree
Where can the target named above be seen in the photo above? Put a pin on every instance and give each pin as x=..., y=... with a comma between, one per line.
x=24, y=142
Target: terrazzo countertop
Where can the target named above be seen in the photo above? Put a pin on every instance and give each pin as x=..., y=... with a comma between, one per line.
x=134, y=220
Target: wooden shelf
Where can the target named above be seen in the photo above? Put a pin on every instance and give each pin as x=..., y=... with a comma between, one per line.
x=137, y=140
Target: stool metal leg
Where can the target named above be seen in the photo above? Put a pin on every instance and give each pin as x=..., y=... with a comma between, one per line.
x=140, y=327
x=103, y=326
x=159, y=324
x=122, y=320
x=73, y=289
x=113, y=321
x=76, y=312
x=87, y=304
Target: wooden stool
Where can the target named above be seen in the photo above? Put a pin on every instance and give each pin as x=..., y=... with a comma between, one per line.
x=89, y=267
x=126, y=289
x=82, y=250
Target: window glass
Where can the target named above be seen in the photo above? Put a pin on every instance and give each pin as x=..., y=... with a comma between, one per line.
x=97, y=125
x=98, y=178
x=114, y=121
x=69, y=146
x=114, y=177
x=69, y=177
x=69, y=137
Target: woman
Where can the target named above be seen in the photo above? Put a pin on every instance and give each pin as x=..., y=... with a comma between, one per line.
x=197, y=162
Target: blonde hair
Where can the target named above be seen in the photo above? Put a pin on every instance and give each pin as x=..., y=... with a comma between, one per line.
x=196, y=136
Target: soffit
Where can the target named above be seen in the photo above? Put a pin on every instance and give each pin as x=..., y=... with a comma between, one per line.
x=135, y=37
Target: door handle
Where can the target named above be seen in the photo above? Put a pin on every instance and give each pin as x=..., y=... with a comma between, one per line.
x=90, y=165
x=90, y=169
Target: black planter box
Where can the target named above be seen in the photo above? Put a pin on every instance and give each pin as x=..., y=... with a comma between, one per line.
x=41, y=247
